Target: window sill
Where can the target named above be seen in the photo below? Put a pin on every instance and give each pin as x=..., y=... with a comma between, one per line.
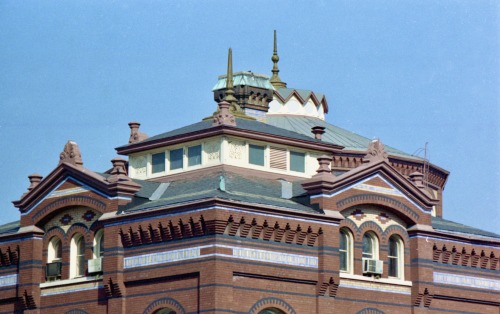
x=69, y=281
x=389, y=281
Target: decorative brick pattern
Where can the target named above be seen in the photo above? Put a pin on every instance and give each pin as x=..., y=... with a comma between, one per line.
x=383, y=218
x=88, y=215
x=66, y=219
x=73, y=215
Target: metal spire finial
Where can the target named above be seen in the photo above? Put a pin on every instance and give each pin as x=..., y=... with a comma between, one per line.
x=275, y=79
x=229, y=79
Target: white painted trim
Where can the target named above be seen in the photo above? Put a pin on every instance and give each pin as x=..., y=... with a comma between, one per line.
x=389, y=281
x=237, y=252
x=466, y=281
x=8, y=280
x=68, y=281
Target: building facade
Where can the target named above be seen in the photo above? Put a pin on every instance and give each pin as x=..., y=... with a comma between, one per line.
x=263, y=207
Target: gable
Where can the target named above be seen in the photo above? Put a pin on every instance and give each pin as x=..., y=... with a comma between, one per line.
x=379, y=189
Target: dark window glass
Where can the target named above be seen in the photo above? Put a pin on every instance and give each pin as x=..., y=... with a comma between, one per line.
x=393, y=257
x=368, y=246
x=256, y=155
x=158, y=161
x=297, y=161
x=176, y=158
x=344, y=254
x=194, y=155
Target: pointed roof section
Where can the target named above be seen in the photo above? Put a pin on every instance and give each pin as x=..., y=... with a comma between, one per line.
x=275, y=79
x=69, y=178
x=229, y=82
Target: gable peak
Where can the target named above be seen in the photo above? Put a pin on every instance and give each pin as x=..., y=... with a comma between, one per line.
x=71, y=155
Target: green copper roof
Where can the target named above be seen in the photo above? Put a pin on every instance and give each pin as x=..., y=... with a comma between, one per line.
x=245, y=78
x=333, y=134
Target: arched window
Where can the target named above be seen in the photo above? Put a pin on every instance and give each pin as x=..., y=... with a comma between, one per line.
x=345, y=250
x=370, y=246
x=54, y=255
x=77, y=261
x=54, y=252
x=99, y=244
x=395, y=256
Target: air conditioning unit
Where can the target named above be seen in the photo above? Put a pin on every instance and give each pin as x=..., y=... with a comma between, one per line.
x=373, y=266
x=53, y=270
x=95, y=265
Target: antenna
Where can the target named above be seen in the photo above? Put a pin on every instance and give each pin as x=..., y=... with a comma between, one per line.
x=426, y=165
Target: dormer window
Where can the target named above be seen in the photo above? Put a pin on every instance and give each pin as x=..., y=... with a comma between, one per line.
x=158, y=162
x=194, y=155
x=297, y=161
x=176, y=159
x=256, y=154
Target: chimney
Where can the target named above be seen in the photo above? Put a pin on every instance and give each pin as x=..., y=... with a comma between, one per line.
x=318, y=131
x=135, y=135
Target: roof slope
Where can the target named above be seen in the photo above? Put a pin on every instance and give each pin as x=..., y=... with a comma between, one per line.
x=448, y=225
x=333, y=134
x=235, y=188
x=242, y=124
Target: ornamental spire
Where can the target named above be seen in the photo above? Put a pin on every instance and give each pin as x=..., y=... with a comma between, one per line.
x=229, y=79
x=275, y=79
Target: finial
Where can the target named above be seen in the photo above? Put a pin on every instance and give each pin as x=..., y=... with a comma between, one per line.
x=275, y=79
x=229, y=79
x=71, y=154
x=376, y=152
x=318, y=131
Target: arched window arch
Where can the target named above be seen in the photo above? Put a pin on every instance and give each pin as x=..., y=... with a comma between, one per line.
x=271, y=311
x=346, y=249
x=370, y=246
x=99, y=244
x=77, y=260
x=396, y=257
x=54, y=251
x=165, y=311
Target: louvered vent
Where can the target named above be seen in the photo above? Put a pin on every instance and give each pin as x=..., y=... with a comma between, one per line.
x=278, y=158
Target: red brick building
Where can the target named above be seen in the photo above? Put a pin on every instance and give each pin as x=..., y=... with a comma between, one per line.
x=261, y=208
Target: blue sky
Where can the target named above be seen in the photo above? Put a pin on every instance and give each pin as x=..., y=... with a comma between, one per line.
x=407, y=72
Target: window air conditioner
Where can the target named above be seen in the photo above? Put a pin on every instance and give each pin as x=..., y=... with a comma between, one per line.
x=372, y=266
x=95, y=265
x=53, y=270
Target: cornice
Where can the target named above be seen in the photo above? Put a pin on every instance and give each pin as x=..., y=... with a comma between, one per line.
x=227, y=130
x=215, y=202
